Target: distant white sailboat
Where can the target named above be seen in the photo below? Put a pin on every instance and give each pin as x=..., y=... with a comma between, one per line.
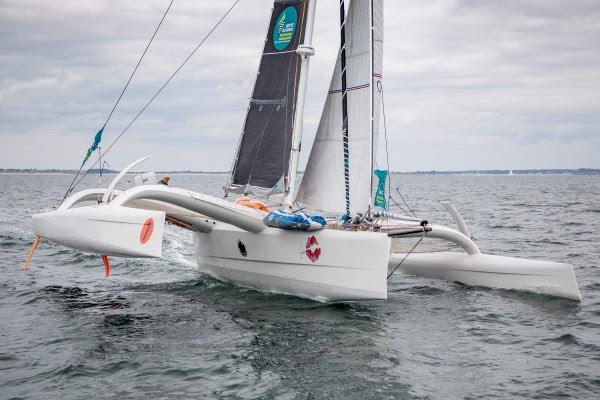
x=345, y=260
x=510, y=172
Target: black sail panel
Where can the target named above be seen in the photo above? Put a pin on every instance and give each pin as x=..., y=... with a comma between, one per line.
x=263, y=155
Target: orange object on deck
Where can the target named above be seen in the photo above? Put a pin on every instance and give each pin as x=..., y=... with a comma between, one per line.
x=245, y=201
x=106, y=266
x=36, y=241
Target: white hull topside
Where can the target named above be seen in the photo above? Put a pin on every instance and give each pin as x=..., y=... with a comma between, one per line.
x=232, y=244
x=326, y=265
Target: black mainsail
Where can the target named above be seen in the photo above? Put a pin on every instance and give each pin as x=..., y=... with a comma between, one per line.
x=263, y=155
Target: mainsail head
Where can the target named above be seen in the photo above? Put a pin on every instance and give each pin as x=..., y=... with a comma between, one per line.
x=262, y=159
x=323, y=185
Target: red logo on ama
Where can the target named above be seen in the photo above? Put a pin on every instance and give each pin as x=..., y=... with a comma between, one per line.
x=146, y=231
x=312, y=250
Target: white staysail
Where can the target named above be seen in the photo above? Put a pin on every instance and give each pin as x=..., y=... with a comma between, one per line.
x=322, y=186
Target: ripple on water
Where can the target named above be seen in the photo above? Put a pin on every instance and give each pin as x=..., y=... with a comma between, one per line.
x=9, y=241
x=594, y=286
x=425, y=290
x=511, y=227
x=116, y=320
x=7, y=357
x=74, y=297
x=159, y=329
x=566, y=339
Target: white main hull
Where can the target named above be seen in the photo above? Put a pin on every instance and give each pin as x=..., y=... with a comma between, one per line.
x=349, y=266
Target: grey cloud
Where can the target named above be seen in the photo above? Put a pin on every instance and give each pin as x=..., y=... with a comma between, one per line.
x=468, y=84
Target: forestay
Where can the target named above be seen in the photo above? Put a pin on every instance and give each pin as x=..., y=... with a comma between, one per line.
x=322, y=186
x=262, y=158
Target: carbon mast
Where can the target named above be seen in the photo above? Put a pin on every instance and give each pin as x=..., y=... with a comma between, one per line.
x=305, y=51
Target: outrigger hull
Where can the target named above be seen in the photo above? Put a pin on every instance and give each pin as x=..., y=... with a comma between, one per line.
x=536, y=276
x=107, y=231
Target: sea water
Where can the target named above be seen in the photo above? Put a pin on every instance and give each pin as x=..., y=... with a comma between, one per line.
x=159, y=329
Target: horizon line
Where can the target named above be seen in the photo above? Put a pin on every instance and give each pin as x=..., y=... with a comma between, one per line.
x=494, y=171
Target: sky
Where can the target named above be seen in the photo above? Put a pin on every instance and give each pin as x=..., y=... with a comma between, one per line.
x=468, y=84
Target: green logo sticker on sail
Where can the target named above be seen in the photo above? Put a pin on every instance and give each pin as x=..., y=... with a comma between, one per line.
x=285, y=27
x=380, y=194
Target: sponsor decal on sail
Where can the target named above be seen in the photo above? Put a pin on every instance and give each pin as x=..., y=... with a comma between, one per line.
x=285, y=27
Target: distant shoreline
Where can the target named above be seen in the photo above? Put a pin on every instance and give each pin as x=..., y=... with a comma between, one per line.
x=95, y=171
x=548, y=171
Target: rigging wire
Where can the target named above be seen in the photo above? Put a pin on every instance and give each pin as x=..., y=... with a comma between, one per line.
x=405, y=202
x=399, y=206
x=100, y=161
x=407, y=254
x=71, y=187
x=161, y=88
x=139, y=61
x=387, y=154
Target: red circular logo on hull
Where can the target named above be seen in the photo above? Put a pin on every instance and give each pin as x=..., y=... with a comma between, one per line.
x=146, y=231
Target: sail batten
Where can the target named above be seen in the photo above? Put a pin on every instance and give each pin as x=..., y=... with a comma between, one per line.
x=263, y=155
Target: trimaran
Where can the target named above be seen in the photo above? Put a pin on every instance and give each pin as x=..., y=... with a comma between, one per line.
x=349, y=258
